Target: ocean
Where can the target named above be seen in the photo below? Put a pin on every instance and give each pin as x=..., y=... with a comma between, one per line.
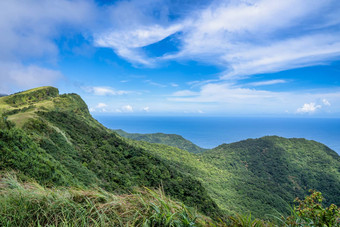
x=209, y=132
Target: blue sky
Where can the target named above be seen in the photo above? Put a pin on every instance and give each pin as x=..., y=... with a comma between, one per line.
x=189, y=57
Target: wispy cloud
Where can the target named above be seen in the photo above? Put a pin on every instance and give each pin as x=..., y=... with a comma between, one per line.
x=21, y=76
x=184, y=93
x=155, y=83
x=244, y=37
x=103, y=91
x=28, y=33
x=233, y=98
x=326, y=102
x=267, y=82
x=146, y=109
x=127, y=108
x=126, y=43
x=101, y=107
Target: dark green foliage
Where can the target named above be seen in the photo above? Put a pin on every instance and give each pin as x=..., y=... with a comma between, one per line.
x=61, y=144
x=19, y=152
x=167, y=139
x=272, y=171
x=117, y=164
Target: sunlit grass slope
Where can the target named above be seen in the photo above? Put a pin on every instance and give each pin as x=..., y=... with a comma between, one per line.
x=26, y=203
x=53, y=139
x=261, y=176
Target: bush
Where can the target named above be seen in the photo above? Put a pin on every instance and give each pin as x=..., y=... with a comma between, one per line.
x=310, y=212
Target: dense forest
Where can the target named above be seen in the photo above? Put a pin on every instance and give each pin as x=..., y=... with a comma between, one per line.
x=50, y=141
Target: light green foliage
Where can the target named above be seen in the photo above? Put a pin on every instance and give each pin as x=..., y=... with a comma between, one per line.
x=55, y=141
x=261, y=176
x=29, y=204
x=61, y=144
x=166, y=139
x=310, y=212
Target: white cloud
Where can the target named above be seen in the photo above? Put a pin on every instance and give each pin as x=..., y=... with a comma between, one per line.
x=245, y=37
x=248, y=38
x=232, y=98
x=146, y=109
x=267, y=82
x=101, y=105
x=308, y=108
x=18, y=76
x=29, y=27
x=127, y=42
x=103, y=91
x=154, y=83
x=28, y=33
x=127, y=108
x=184, y=93
x=326, y=102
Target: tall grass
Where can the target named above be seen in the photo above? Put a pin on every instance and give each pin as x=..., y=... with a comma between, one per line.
x=29, y=204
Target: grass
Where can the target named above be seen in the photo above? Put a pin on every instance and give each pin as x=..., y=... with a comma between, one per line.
x=29, y=204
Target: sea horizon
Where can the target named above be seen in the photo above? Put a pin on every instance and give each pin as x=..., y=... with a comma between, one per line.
x=212, y=131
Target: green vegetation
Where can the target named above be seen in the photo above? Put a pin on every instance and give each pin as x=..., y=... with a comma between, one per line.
x=31, y=96
x=166, y=139
x=29, y=204
x=261, y=176
x=311, y=212
x=53, y=140
x=67, y=147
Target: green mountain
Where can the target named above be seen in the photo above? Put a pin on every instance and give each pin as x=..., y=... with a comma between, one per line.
x=162, y=138
x=262, y=176
x=53, y=139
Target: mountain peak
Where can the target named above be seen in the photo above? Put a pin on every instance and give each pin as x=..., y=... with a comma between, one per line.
x=23, y=106
x=31, y=96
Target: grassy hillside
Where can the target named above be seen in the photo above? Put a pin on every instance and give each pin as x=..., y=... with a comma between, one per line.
x=162, y=138
x=26, y=203
x=262, y=176
x=54, y=140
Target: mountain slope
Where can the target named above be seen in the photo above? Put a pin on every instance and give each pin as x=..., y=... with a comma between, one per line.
x=274, y=170
x=162, y=138
x=53, y=139
x=57, y=142
x=262, y=176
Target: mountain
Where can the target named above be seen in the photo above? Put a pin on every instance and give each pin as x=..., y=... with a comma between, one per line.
x=53, y=139
x=262, y=176
x=162, y=138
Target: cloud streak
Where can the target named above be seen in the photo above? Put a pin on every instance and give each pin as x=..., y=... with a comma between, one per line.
x=233, y=98
x=104, y=91
x=244, y=37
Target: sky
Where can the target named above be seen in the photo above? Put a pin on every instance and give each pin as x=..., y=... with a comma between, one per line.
x=177, y=57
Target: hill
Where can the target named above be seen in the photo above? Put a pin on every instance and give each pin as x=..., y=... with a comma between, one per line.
x=262, y=176
x=162, y=138
x=53, y=139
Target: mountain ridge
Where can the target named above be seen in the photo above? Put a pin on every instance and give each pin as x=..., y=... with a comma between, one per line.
x=70, y=148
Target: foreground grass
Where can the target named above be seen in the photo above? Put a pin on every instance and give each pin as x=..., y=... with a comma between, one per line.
x=29, y=204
